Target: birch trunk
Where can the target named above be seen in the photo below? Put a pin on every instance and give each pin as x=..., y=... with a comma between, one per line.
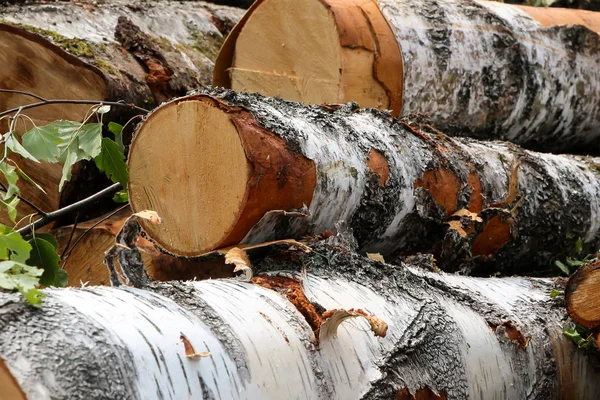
x=136, y=52
x=448, y=337
x=485, y=69
x=401, y=188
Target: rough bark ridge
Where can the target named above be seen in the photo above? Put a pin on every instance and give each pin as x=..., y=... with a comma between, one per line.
x=137, y=52
x=401, y=188
x=480, y=68
x=455, y=337
x=534, y=88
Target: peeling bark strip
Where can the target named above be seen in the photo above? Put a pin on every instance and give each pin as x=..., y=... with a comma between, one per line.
x=484, y=69
x=137, y=52
x=402, y=190
x=125, y=343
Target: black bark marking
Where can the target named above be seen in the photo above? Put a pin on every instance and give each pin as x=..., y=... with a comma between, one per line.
x=151, y=323
x=184, y=374
x=180, y=293
x=207, y=394
x=151, y=347
x=217, y=386
x=439, y=34
x=159, y=393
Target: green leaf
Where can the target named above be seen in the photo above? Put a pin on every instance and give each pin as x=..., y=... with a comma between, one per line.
x=117, y=130
x=573, y=262
x=15, y=247
x=11, y=177
x=121, y=197
x=578, y=246
x=13, y=144
x=44, y=256
x=90, y=139
x=29, y=180
x=555, y=293
x=17, y=275
x=578, y=334
x=11, y=208
x=112, y=162
x=46, y=236
x=562, y=267
x=72, y=155
x=48, y=142
x=33, y=296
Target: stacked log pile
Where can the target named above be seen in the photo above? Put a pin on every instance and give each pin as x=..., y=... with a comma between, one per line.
x=477, y=68
x=292, y=243
x=135, y=52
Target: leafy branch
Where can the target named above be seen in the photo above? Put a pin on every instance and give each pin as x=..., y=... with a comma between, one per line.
x=29, y=259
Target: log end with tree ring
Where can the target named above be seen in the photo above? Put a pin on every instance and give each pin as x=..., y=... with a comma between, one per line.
x=211, y=173
x=348, y=53
x=10, y=389
x=582, y=295
x=33, y=64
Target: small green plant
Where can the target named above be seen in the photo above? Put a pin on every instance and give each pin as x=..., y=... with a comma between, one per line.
x=28, y=261
x=581, y=336
x=575, y=261
x=555, y=293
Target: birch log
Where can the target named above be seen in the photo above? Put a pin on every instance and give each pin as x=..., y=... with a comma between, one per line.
x=136, y=52
x=401, y=188
x=448, y=337
x=479, y=68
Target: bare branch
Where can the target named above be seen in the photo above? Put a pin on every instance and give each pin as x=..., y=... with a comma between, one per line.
x=23, y=93
x=70, y=237
x=65, y=257
x=46, y=102
x=80, y=205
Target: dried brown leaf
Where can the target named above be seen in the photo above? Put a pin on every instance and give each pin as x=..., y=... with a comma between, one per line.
x=189, y=349
x=333, y=319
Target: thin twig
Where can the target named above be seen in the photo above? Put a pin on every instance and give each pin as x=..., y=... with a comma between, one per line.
x=70, y=236
x=68, y=254
x=80, y=205
x=24, y=200
x=46, y=102
x=23, y=93
x=11, y=130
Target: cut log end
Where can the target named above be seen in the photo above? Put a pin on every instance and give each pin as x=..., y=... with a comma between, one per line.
x=19, y=50
x=582, y=295
x=341, y=57
x=215, y=181
x=10, y=387
x=200, y=149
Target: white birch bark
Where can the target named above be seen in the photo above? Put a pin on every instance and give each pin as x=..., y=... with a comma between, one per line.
x=103, y=342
